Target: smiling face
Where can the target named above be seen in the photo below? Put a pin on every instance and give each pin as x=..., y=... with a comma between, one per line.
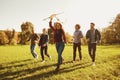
x=77, y=27
x=57, y=25
x=92, y=25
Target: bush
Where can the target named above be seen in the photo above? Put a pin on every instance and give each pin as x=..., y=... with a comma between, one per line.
x=3, y=38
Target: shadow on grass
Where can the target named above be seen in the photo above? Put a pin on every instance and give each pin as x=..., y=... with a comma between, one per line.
x=6, y=68
x=9, y=75
x=15, y=64
x=18, y=61
x=53, y=72
x=23, y=74
x=66, y=70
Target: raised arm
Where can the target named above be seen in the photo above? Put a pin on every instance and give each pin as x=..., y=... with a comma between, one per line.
x=50, y=25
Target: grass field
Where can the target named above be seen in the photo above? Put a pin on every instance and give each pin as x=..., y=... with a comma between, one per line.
x=17, y=63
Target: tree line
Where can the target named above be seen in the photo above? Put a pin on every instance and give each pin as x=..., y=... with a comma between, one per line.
x=110, y=34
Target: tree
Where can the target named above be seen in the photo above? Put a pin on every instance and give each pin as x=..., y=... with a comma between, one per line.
x=27, y=30
x=69, y=38
x=111, y=34
x=51, y=36
x=3, y=38
x=11, y=35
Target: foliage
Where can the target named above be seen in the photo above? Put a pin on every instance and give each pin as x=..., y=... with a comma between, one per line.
x=69, y=38
x=8, y=37
x=84, y=41
x=51, y=36
x=27, y=30
x=111, y=34
x=3, y=38
x=11, y=36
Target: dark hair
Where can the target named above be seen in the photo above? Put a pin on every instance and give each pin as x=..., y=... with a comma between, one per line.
x=92, y=23
x=57, y=23
x=77, y=26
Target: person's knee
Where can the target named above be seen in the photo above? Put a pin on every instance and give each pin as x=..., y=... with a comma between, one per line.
x=32, y=51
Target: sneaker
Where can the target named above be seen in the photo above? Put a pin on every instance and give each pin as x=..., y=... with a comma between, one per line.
x=43, y=61
x=93, y=63
x=50, y=58
x=36, y=58
x=57, y=69
x=73, y=61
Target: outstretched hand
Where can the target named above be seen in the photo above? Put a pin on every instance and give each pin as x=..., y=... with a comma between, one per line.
x=51, y=17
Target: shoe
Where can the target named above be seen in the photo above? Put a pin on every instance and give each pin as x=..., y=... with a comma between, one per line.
x=93, y=63
x=81, y=59
x=73, y=61
x=36, y=58
x=57, y=69
x=50, y=58
x=43, y=61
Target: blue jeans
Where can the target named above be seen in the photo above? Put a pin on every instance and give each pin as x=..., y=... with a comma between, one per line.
x=59, y=47
x=32, y=48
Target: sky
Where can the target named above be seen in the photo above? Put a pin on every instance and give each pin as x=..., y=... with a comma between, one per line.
x=14, y=12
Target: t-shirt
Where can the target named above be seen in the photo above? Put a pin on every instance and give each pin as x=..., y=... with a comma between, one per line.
x=92, y=36
x=77, y=36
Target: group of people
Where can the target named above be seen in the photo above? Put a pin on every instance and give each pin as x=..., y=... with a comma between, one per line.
x=42, y=43
x=93, y=37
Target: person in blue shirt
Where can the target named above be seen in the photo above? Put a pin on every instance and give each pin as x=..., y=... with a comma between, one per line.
x=77, y=42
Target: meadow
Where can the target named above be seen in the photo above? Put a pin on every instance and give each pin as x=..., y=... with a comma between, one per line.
x=17, y=63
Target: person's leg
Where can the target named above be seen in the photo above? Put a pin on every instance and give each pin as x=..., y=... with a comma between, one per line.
x=79, y=50
x=46, y=53
x=90, y=49
x=60, y=50
x=74, y=51
x=42, y=55
x=57, y=48
x=94, y=54
x=32, y=48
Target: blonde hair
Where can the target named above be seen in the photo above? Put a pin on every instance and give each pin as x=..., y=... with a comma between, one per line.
x=44, y=29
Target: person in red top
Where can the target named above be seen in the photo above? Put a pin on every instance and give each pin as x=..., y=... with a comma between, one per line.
x=59, y=40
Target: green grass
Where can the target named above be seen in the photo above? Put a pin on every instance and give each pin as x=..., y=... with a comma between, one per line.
x=17, y=63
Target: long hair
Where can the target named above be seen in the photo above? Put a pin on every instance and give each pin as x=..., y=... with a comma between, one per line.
x=57, y=23
x=32, y=30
